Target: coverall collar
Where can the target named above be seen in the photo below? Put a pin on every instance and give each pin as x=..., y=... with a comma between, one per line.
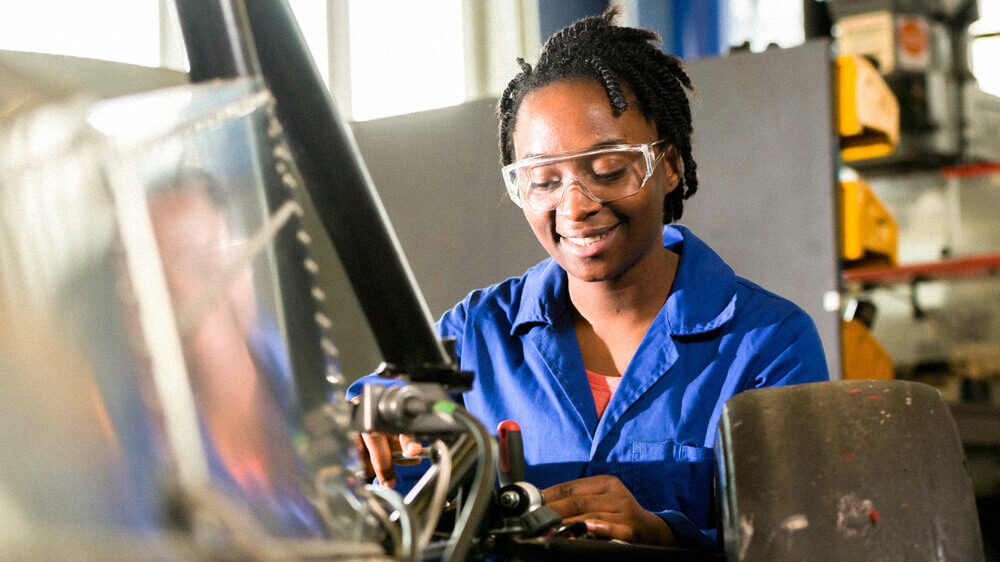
x=703, y=296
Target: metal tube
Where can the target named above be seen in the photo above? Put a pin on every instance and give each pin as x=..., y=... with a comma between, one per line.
x=463, y=457
x=474, y=511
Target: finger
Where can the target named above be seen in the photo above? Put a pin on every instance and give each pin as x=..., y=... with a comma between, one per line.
x=644, y=527
x=581, y=486
x=380, y=454
x=609, y=530
x=410, y=446
x=580, y=505
x=396, y=451
x=363, y=454
x=407, y=447
x=608, y=516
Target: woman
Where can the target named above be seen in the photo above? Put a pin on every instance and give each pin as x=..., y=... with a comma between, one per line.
x=616, y=355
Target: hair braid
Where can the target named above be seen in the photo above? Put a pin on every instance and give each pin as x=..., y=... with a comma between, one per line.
x=678, y=111
x=507, y=109
x=610, y=83
x=618, y=58
x=634, y=35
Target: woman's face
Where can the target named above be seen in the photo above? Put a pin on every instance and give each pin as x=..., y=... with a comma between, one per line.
x=575, y=114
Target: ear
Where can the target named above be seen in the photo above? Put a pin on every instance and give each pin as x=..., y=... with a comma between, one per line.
x=671, y=164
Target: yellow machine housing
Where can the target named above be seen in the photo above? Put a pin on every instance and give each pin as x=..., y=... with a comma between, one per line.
x=868, y=112
x=868, y=231
x=863, y=356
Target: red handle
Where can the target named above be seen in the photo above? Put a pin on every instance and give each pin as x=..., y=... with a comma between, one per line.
x=511, y=461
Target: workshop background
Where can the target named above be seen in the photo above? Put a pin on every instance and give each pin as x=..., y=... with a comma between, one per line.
x=848, y=150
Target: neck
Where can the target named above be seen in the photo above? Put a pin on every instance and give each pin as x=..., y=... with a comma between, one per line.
x=635, y=297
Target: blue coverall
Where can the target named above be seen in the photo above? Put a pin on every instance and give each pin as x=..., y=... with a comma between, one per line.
x=717, y=335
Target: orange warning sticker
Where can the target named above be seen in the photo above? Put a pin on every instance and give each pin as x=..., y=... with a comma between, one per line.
x=913, y=43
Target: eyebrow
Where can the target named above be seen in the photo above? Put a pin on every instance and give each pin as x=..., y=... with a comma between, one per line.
x=608, y=142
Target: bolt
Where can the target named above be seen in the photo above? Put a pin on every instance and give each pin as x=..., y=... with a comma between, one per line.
x=510, y=499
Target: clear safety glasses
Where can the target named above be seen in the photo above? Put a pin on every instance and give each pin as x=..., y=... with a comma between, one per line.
x=603, y=174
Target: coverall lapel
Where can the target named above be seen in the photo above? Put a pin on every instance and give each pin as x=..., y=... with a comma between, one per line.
x=656, y=354
x=543, y=317
x=702, y=298
x=557, y=345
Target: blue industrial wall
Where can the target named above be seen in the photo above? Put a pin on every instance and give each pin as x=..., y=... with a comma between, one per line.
x=689, y=28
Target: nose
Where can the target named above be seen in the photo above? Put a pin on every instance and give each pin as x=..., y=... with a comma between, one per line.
x=577, y=203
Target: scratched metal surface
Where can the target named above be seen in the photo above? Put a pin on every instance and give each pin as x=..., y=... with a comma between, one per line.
x=859, y=470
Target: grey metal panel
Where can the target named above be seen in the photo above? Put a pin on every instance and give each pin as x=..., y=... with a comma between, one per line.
x=767, y=156
x=438, y=173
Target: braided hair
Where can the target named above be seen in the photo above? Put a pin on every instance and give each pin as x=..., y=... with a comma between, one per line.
x=616, y=57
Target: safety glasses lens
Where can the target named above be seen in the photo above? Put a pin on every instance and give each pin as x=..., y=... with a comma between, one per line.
x=603, y=176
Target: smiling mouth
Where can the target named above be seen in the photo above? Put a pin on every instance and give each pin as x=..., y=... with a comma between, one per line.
x=589, y=239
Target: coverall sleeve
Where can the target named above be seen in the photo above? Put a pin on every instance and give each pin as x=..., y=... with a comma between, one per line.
x=792, y=355
x=788, y=353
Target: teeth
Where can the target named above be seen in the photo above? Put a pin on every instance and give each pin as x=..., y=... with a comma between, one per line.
x=588, y=240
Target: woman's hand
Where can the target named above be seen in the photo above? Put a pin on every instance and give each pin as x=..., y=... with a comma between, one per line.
x=609, y=510
x=376, y=450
